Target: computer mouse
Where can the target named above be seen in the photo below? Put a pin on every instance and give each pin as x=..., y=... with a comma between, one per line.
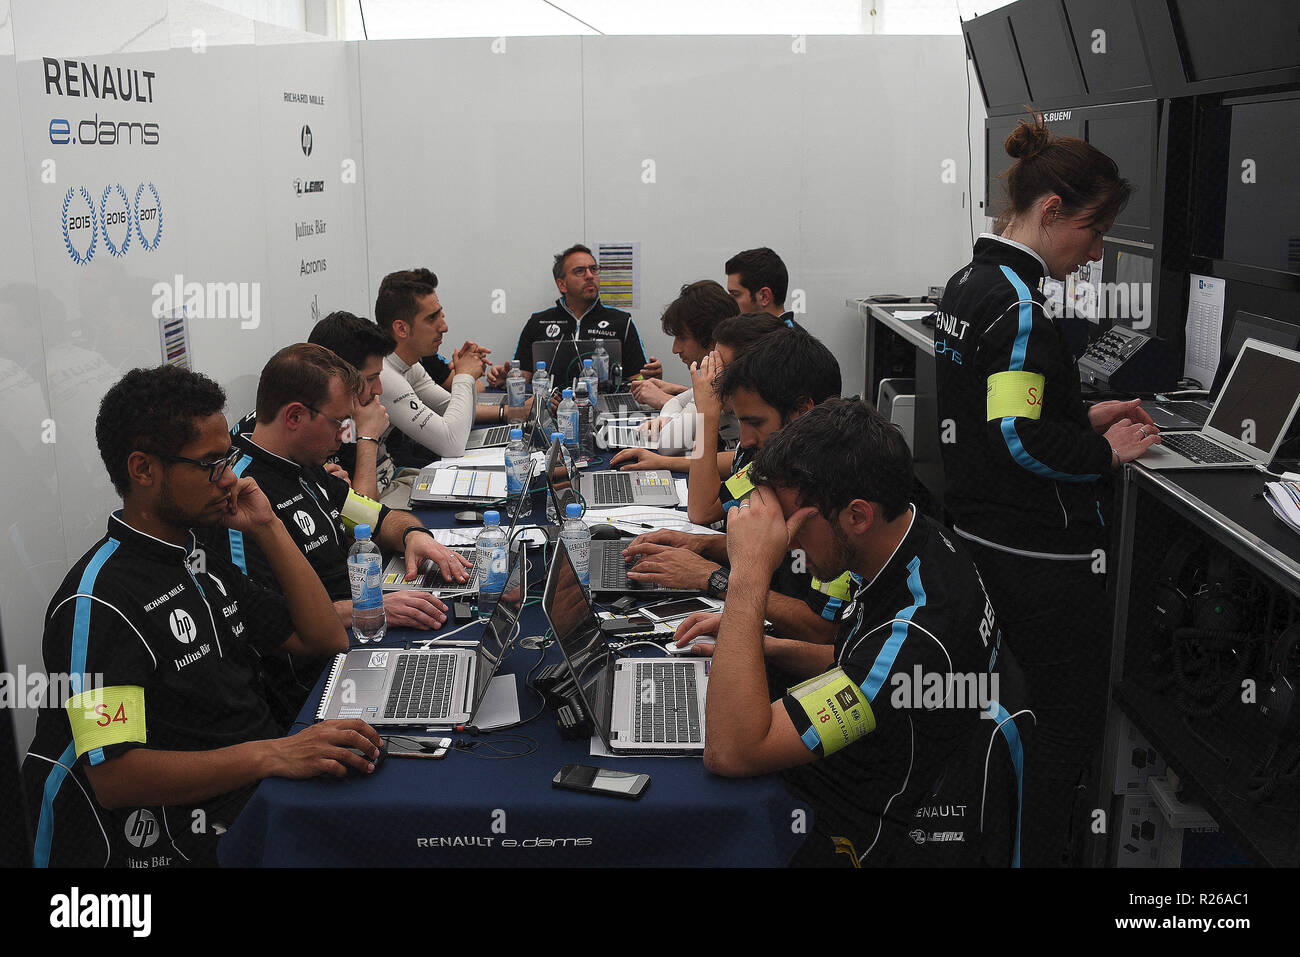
x=378, y=761
x=605, y=531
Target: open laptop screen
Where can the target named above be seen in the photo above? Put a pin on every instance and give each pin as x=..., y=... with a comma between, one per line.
x=1258, y=396
x=559, y=478
x=498, y=633
x=578, y=632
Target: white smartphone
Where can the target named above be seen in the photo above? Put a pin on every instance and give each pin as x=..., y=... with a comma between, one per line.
x=678, y=608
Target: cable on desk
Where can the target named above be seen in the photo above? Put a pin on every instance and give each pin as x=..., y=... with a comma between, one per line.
x=481, y=747
x=528, y=683
x=652, y=644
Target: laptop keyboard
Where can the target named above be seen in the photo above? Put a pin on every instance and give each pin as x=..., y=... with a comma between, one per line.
x=421, y=687
x=613, y=488
x=1199, y=449
x=1191, y=411
x=497, y=435
x=667, y=709
x=613, y=570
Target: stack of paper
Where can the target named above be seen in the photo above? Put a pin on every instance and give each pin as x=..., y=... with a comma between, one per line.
x=635, y=518
x=1284, y=497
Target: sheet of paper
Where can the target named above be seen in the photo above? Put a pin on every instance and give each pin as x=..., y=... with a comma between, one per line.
x=912, y=313
x=1204, y=328
x=631, y=517
x=680, y=485
x=475, y=459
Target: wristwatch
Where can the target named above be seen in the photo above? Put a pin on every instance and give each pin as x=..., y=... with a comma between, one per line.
x=368, y=438
x=717, y=584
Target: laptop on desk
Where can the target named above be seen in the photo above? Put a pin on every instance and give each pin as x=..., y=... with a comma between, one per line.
x=1191, y=414
x=637, y=705
x=429, y=577
x=563, y=357
x=1249, y=419
x=606, y=568
x=438, y=687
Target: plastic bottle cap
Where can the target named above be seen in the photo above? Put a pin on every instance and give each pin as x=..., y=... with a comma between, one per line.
x=516, y=434
x=492, y=518
x=567, y=394
x=573, y=510
x=585, y=363
x=361, y=532
x=557, y=435
x=541, y=364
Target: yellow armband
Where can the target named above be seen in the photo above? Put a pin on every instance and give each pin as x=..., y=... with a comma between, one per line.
x=359, y=510
x=837, y=709
x=1015, y=394
x=104, y=716
x=739, y=485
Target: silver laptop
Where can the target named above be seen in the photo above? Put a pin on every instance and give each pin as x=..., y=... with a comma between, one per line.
x=628, y=432
x=637, y=705
x=429, y=577
x=392, y=687
x=607, y=569
x=1249, y=419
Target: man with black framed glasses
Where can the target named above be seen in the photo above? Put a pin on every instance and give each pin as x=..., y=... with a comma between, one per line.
x=577, y=277
x=162, y=726
x=305, y=397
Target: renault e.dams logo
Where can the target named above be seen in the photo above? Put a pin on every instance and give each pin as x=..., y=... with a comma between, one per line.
x=182, y=626
x=306, y=140
x=305, y=522
x=142, y=828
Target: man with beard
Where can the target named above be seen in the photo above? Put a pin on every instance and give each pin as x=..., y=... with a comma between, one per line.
x=162, y=733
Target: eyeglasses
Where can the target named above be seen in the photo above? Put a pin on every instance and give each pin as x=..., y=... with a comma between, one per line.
x=340, y=424
x=583, y=270
x=215, y=469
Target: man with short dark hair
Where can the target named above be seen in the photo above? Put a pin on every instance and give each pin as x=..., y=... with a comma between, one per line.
x=865, y=748
x=577, y=277
x=305, y=395
x=779, y=379
x=164, y=732
x=757, y=279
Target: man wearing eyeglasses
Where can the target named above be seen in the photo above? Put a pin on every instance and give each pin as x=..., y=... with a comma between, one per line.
x=577, y=276
x=161, y=732
x=305, y=396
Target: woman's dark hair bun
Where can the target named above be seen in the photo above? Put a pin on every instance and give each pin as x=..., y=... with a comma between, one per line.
x=1027, y=139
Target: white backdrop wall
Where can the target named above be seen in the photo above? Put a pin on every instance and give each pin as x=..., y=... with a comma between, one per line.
x=478, y=164
x=848, y=158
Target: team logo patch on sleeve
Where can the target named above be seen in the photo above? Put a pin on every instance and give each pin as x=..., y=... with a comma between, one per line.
x=1014, y=394
x=838, y=710
x=105, y=716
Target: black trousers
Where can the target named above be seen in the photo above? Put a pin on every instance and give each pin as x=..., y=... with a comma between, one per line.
x=1057, y=619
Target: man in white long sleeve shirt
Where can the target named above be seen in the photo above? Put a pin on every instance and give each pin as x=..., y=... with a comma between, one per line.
x=426, y=413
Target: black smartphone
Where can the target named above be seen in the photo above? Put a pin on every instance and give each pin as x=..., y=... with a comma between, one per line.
x=583, y=777
x=632, y=625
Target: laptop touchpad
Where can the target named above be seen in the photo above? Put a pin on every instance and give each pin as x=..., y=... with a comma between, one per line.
x=367, y=679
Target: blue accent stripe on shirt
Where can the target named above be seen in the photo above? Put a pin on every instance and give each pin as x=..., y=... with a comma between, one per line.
x=45, y=825
x=81, y=617
x=1022, y=457
x=237, y=538
x=1025, y=315
x=1012, y=735
x=831, y=608
x=810, y=738
x=96, y=756
x=884, y=663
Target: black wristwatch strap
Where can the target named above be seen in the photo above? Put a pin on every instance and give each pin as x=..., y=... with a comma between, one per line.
x=415, y=528
x=717, y=584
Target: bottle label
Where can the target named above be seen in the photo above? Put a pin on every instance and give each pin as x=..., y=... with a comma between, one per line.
x=515, y=390
x=492, y=563
x=363, y=576
x=514, y=473
x=572, y=427
x=579, y=554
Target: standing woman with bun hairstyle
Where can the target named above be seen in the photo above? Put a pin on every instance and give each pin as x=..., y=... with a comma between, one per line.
x=1023, y=455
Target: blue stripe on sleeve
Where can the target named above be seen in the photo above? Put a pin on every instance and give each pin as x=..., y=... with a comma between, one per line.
x=810, y=738
x=237, y=538
x=1012, y=735
x=884, y=663
x=1022, y=457
x=81, y=618
x=45, y=825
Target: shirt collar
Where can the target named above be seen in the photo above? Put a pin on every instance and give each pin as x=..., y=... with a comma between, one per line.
x=278, y=462
x=564, y=304
x=1023, y=248
x=397, y=362
x=911, y=526
x=137, y=540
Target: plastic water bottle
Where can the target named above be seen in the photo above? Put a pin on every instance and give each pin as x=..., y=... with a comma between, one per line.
x=491, y=560
x=566, y=417
x=516, y=464
x=589, y=376
x=577, y=539
x=586, y=420
x=516, y=385
x=601, y=358
x=541, y=383
x=364, y=570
